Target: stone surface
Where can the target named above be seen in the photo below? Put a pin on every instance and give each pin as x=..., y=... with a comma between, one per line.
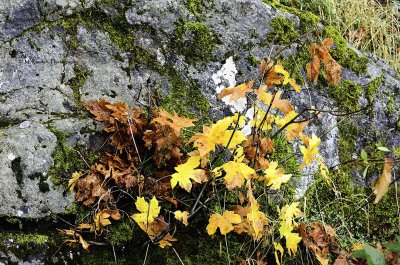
x=53, y=57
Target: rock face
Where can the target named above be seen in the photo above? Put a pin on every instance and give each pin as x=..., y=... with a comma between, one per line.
x=55, y=54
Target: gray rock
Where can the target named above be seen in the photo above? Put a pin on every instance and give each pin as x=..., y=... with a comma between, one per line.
x=25, y=158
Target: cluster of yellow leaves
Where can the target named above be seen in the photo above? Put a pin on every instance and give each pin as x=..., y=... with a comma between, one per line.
x=236, y=171
x=287, y=215
x=217, y=134
x=248, y=160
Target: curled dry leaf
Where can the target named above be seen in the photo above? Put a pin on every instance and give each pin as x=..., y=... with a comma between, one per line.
x=381, y=185
x=321, y=53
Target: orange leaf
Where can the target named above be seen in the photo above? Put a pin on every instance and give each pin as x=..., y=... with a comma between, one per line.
x=237, y=92
x=173, y=121
x=313, y=69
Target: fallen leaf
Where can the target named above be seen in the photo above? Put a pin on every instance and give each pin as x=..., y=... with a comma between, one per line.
x=381, y=184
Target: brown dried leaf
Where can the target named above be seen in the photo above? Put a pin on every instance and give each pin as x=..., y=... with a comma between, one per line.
x=313, y=69
x=381, y=184
x=333, y=72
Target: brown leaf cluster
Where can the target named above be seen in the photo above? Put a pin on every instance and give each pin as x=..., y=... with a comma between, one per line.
x=332, y=68
x=132, y=134
x=256, y=148
x=320, y=240
x=123, y=123
x=163, y=137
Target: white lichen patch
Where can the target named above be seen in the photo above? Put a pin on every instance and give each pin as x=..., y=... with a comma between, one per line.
x=224, y=78
x=11, y=156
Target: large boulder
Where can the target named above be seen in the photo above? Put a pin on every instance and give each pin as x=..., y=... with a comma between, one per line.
x=56, y=54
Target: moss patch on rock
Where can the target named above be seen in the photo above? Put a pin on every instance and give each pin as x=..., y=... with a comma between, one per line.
x=193, y=40
x=67, y=159
x=283, y=32
x=346, y=95
x=307, y=19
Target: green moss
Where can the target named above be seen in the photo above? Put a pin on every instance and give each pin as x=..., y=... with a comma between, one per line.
x=343, y=54
x=194, y=41
x=253, y=61
x=396, y=150
x=348, y=134
x=194, y=6
x=307, y=19
x=372, y=88
x=120, y=233
x=67, y=159
x=294, y=62
x=36, y=239
x=346, y=95
x=77, y=82
x=71, y=27
x=185, y=98
x=283, y=32
x=337, y=205
x=390, y=105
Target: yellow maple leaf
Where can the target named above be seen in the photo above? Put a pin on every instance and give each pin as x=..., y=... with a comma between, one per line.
x=381, y=184
x=182, y=216
x=147, y=211
x=279, y=69
x=278, y=247
x=294, y=129
x=186, y=172
x=257, y=219
x=217, y=134
x=173, y=121
x=289, y=212
x=311, y=150
x=236, y=171
x=278, y=103
x=101, y=219
x=292, y=240
x=275, y=177
x=240, y=120
x=74, y=179
x=237, y=92
x=223, y=222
